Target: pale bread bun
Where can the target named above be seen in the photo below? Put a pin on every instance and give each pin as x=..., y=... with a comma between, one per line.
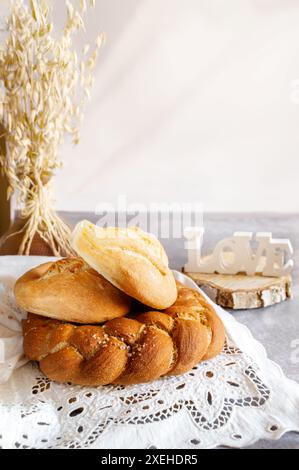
x=70, y=290
x=132, y=260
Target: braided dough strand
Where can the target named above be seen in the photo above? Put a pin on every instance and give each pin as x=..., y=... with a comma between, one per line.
x=125, y=350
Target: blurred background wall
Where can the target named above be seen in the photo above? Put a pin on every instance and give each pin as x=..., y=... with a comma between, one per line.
x=194, y=100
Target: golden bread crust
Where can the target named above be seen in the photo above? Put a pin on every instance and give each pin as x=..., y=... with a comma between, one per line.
x=70, y=290
x=124, y=350
x=132, y=260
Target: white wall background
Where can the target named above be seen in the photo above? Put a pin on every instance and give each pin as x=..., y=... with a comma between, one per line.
x=192, y=102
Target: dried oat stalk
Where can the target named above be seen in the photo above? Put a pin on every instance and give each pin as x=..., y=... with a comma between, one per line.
x=44, y=86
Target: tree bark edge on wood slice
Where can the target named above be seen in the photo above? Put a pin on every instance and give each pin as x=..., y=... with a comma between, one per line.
x=244, y=292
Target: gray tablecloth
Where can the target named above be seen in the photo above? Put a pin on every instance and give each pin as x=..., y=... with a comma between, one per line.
x=276, y=327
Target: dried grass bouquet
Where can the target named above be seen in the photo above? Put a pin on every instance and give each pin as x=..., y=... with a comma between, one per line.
x=43, y=88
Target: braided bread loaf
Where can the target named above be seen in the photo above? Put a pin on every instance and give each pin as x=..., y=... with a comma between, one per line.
x=127, y=350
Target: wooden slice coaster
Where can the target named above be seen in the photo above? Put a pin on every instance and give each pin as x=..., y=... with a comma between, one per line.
x=240, y=291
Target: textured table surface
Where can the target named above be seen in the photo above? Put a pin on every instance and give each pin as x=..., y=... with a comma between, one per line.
x=276, y=327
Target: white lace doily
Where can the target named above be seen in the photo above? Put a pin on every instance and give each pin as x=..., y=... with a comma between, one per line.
x=233, y=400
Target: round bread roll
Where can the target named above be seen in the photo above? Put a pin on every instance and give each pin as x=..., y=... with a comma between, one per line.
x=70, y=290
x=132, y=260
